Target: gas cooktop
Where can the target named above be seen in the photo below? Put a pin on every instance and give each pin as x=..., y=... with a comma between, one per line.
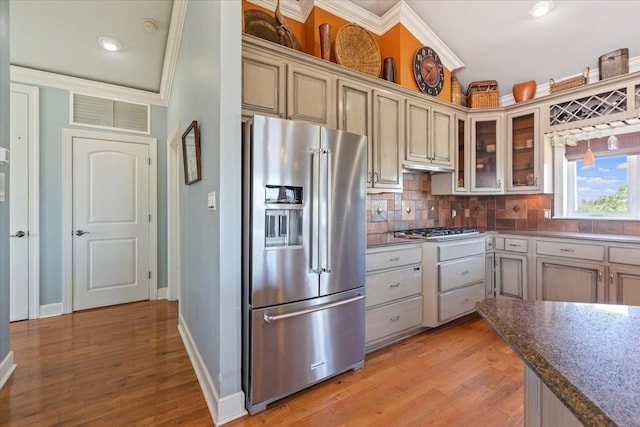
x=437, y=233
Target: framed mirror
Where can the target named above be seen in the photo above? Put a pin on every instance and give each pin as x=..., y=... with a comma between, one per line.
x=191, y=154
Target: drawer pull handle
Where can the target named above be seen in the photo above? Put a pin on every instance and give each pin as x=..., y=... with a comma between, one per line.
x=514, y=245
x=567, y=250
x=464, y=272
x=395, y=318
x=464, y=301
x=394, y=259
x=395, y=285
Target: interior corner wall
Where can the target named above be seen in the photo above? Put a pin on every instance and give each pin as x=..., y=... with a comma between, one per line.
x=206, y=88
x=4, y=206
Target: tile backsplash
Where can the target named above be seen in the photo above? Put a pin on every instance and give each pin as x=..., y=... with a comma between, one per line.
x=416, y=207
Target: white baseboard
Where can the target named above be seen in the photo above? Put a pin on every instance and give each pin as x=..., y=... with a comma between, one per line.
x=6, y=368
x=223, y=409
x=50, y=310
x=162, y=293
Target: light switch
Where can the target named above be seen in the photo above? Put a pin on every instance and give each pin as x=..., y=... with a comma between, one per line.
x=1, y=187
x=211, y=201
x=4, y=156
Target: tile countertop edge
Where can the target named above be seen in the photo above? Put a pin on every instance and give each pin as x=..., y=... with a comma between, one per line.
x=587, y=412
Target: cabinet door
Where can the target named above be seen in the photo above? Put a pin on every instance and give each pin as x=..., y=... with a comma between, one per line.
x=511, y=276
x=354, y=115
x=442, y=141
x=418, y=137
x=486, y=154
x=624, y=286
x=263, y=85
x=523, y=151
x=309, y=95
x=489, y=279
x=461, y=154
x=561, y=280
x=388, y=130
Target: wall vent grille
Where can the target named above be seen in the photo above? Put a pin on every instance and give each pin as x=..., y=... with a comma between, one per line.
x=108, y=113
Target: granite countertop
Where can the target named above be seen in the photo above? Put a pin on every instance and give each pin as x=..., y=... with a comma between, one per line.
x=621, y=238
x=587, y=354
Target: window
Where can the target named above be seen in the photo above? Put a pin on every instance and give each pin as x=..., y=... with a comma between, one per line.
x=609, y=189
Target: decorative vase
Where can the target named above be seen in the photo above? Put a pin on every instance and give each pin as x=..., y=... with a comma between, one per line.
x=325, y=41
x=389, y=70
x=525, y=90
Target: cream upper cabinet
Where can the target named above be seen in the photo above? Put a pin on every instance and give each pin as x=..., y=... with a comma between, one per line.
x=429, y=135
x=272, y=87
x=486, y=154
x=523, y=152
x=263, y=85
x=354, y=107
x=310, y=95
x=388, y=131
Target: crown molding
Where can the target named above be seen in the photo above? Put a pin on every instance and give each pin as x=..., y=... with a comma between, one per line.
x=291, y=9
x=88, y=87
x=178, y=14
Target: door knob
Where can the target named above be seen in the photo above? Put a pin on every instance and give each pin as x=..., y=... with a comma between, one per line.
x=81, y=232
x=18, y=234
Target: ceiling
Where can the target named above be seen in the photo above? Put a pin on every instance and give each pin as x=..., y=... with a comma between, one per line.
x=496, y=40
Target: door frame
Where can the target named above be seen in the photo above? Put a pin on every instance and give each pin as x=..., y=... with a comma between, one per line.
x=33, y=116
x=174, y=261
x=67, y=207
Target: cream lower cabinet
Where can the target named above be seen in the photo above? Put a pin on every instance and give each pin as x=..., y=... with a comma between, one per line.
x=624, y=275
x=293, y=91
x=394, y=294
x=541, y=407
x=429, y=135
x=510, y=276
x=570, y=271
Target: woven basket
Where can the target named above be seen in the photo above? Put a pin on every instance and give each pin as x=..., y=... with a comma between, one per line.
x=483, y=94
x=356, y=49
x=457, y=97
x=569, y=83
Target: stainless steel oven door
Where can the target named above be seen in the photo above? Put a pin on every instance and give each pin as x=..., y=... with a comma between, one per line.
x=296, y=345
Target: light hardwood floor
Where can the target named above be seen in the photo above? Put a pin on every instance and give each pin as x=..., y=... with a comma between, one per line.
x=126, y=366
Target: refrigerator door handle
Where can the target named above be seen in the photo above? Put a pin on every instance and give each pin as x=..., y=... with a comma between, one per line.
x=315, y=212
x=327, y=267
x=270, y=319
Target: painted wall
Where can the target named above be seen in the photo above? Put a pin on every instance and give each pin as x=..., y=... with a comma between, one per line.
x=54, y=116
x=207, y=88
x=4, y=206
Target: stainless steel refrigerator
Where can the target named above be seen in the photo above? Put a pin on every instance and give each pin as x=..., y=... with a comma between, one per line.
x=304, y=249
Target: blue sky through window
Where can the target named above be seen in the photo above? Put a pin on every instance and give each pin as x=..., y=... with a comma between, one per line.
x=603, y=179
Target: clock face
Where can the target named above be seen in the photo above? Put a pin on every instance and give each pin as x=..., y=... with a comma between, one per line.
x=428, y=71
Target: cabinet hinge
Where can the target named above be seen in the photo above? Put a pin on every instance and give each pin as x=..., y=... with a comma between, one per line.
x=149, y=217
x=149, y=275
x=149, y=161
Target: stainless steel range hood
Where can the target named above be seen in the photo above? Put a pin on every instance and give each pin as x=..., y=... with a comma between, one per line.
x=415, y=167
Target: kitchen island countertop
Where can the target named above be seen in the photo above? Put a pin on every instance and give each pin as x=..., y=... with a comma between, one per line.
x=588, y=355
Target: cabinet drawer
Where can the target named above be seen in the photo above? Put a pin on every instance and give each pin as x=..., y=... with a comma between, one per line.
x=393, y=318
x=630, y=256
x=459, y=302
x=570, y=250
x=460, y=249
x=393, y=258
x=459, y=273
x=395, y=284
x=515, y=245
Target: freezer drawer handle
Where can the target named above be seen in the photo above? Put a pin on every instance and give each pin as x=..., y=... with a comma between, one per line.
x=270, y=319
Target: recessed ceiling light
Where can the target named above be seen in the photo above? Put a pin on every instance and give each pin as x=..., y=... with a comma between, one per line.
x=540, y=8
x=109, y=43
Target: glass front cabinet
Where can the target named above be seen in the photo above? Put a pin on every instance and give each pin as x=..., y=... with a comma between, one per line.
x=523, y=152
x=486, y=154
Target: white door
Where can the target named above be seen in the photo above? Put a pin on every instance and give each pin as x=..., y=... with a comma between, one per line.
x=19, y=208
x=110, y=222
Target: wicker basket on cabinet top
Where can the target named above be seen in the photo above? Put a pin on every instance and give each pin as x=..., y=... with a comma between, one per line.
x=483, y=94
x=355, y=48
